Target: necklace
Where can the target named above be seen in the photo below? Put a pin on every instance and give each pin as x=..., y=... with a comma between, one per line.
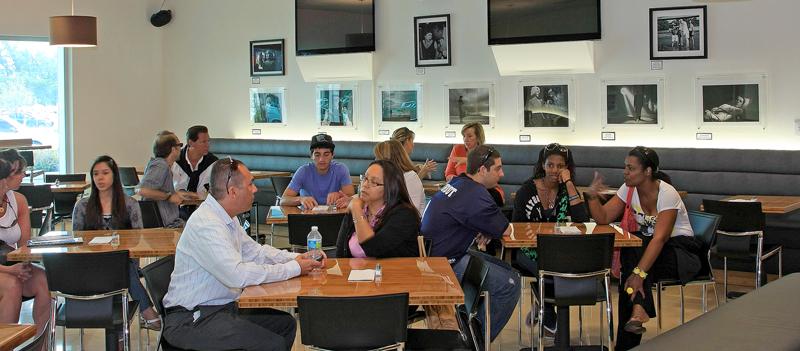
x=547, y=197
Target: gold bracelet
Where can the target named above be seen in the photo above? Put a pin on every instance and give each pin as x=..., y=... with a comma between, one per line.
x=638, y=271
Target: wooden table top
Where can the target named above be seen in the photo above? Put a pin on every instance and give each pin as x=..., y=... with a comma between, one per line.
x=13, y=335
x=154, y=242
x=269, y=174
x=287, y=210
x=65, y=187
x=525, y=234
x=771, y=203
x=429, y=186
x=428, y=281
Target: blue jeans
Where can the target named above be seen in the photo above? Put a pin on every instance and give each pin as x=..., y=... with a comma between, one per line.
x=502, y=282
x=137, y=289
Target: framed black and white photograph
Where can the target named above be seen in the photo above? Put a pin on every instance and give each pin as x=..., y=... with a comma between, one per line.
x=267, y=58
x=400, y=103
x=731, y=100
x=432, y=41
x=268, y=105
x=470, y=102
x=336, y=105
x=546, y=103
x=678, y=33
x=632, y=102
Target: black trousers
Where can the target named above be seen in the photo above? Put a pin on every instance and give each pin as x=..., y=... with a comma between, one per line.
x=228, y=328
x=665, y=267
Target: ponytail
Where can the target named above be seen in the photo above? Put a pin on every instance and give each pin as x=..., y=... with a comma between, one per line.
x=660, y=175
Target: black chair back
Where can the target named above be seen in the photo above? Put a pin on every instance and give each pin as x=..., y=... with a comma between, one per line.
x=327, y=223
x=575, y=254
x=71, y=177
x=704, y=225
x=128, y=176
x=151, y=217
x=64, y=203
x=158, y=275
x=37, y=344
x=40, y=198
x=353, y=323
x=736, y=217
x=28, y=156
x=280, y=184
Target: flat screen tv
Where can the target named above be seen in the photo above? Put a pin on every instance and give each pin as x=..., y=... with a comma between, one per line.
x=334, y=27
x=537, y=21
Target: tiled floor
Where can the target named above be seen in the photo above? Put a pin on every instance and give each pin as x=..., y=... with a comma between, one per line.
x=94, y=339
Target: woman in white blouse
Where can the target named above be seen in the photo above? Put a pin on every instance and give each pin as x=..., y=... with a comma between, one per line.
x=393, y=151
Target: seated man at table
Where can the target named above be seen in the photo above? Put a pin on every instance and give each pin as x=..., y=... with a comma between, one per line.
x=156, y=184
x=462, y=212
x=191, y=171
x=214, y=261
x=323, y=182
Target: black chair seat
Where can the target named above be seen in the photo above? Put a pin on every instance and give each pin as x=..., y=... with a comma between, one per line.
x=751, y=255
x=90, y=319
x=429, y=339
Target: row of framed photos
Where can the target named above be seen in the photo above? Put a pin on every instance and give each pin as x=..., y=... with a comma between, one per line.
x=541, y=103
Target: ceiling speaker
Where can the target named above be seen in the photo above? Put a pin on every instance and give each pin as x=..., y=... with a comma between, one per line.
x=161, y=18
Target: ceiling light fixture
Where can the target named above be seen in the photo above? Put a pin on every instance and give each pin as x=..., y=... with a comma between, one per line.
x=73, y=31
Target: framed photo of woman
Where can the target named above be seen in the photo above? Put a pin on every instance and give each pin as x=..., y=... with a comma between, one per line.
x=432, y=41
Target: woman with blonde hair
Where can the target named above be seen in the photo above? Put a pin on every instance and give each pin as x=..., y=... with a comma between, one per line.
x=406, y=137
x=473, y=136
x=393, y=151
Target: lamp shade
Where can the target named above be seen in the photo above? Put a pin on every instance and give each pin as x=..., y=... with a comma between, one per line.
x=73, y=31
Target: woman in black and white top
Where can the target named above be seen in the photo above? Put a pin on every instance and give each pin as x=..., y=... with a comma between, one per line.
x=18, y=279
x=549, y=195
x=669, y=248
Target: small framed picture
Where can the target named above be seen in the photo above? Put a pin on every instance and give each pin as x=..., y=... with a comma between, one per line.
x=267, y=58
x=336, y=105
x=268, y=105
x=632, y=102
x=432, y=41
x=400, y=103
x=547, y=103
x=736, y=100
x=470, y=102
x=678, y=33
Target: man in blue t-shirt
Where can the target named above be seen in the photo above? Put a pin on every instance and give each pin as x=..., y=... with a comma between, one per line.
x=463, y=211
x=324, y=181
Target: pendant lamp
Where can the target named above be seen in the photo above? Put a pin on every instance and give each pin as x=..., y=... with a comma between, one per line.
x=73, y=31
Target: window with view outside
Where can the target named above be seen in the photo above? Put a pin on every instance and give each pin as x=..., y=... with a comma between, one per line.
x=31, y=98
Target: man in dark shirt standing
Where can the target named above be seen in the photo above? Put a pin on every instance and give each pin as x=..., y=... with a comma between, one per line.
x=463, y=211
x=191, y=171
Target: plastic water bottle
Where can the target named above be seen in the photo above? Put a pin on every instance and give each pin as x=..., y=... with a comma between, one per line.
x=314, y=240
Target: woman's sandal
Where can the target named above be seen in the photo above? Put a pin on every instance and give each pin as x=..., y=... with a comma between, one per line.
x=635, y=326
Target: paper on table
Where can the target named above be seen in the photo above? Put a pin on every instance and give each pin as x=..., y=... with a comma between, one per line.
x=335, y=270
x=101, y=240
x=361, y=275
x=568, y=230
x=617, y=228
x=590, y=227
x=743, y=200
x=321, y=208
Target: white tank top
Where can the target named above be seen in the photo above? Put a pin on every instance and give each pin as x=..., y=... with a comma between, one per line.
x=11, y=235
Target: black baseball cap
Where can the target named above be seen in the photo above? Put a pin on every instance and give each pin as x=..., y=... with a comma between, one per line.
x=322, y=141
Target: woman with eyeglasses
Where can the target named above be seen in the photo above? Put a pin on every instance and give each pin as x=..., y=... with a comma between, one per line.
x=18, y=279
x=473, y=136
x=382, y=221
x=108, y=208
x=550, y=195
x=392, y=151
x=156, y=183
x=651, y=209
x=406, y=137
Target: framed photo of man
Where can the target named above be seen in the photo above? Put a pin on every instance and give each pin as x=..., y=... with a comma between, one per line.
x=267, y=58
x=268, y=105
x=470, y=102
x=678, y=33
x=632, y=102
x=432, y=41
x=547, y=103
x=739, y=100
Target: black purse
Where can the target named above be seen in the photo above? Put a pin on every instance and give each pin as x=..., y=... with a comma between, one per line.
x=4, y=250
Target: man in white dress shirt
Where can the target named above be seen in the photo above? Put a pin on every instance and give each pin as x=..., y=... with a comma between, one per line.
x=214, y=261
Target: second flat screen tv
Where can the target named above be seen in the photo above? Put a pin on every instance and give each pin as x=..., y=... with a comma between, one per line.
x=334, y=27
x=537, y=21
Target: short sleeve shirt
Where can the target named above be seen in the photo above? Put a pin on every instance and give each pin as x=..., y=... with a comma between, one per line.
x=158, y=176
x=457, y=213
x=308, y=182
x=668, y=199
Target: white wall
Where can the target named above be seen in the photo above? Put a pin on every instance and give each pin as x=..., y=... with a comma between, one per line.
x=207, y=78
x=117, y=86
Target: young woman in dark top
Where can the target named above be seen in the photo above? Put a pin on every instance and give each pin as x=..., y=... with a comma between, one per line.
x=549, y=195
x=382, y=221
x=108, y=208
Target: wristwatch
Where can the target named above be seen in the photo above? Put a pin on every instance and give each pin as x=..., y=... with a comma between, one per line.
x=169, y=195
x=639, y=272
